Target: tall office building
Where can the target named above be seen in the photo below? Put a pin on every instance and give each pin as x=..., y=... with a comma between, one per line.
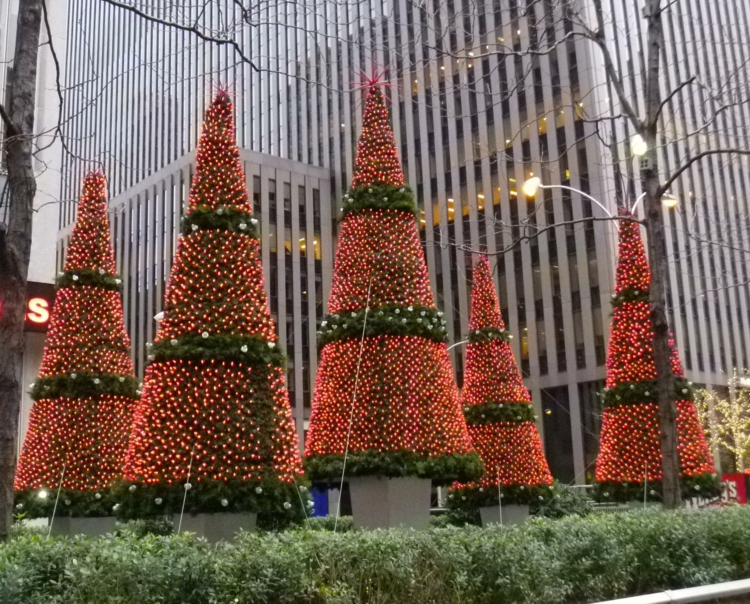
x=472, y=125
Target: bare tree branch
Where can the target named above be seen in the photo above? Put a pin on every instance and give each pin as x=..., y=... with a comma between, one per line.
x=194, y=29
x=671, y=95
x=691, y=160
x=10, y=129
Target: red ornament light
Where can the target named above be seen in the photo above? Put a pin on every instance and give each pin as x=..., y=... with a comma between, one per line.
x=406, y=416
x=377, y=158
x=215, y=392
x=629, y=448
x=82, y=413
x=497, y=404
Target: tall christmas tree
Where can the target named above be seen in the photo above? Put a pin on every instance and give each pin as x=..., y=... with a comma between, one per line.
x=85, y=394
x=214, y=417
x=498, y=410
x=384, y=368
x=629, y=450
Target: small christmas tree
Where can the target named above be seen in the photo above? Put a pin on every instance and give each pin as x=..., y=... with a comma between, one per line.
x=498, y=410
x=384, y=365
x=214, y=417
x=85, y=394
x=629, y=450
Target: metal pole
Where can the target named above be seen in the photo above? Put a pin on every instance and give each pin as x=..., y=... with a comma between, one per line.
x=705, y=593
x=641, y=197
x=586, y=195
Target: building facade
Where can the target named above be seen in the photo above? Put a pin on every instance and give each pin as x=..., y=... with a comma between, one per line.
x=476, y=112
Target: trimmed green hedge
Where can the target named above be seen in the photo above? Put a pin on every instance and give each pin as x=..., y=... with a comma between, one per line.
x=572, y=560
x=442, y=468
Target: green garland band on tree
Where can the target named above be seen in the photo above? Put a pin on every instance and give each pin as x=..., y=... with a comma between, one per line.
x=269, y=496
x=90, y=278
x=490, y=413
x=703, y=485
x=419, y=321
x=473, y=498
x=241, y=349
x=221, y=219
x=488, y=334
x=379, y=197
x=630, y=295
x=446, y=468
x=78, y=504
x=644, y=392
x=81, y=385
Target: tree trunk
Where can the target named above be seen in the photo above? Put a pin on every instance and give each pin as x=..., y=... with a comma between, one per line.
x=659, y=266
x=15, y=242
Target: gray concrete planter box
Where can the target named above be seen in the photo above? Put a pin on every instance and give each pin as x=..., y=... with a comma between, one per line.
x=512, y=514
x=65, y=526
x=379, y=502
x=216, y=527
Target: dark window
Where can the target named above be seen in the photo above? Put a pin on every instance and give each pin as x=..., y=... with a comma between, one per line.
x=590, y=402
x=558, y=438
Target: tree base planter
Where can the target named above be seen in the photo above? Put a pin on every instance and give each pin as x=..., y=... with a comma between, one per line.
x=379, y=502
x=67, y=526
x=512, y=514
x=216, y=527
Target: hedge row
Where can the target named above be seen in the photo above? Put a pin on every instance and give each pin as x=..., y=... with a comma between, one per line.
x=576, y=559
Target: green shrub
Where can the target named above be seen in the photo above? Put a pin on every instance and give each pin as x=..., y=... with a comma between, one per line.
x=329, y=523
x=567, y=501
x=572, y=560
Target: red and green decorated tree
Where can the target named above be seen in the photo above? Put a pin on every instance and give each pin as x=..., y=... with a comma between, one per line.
x=86, y=391
x=214, y=417
x=629, y=448
x=498, y=410
x=384, y=365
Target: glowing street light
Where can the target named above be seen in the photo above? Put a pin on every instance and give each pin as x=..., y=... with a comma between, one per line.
x=638, y=146
x=531, y=186
x=669, y=201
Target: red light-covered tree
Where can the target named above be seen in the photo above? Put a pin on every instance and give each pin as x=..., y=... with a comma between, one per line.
x=384, y=368
x=214, y=404
x=86, y=391
x=629, y=450
x=498, y=410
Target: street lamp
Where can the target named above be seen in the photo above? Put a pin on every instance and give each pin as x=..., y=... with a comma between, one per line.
x=668, y=200
x=638, y=146
x=532, y=185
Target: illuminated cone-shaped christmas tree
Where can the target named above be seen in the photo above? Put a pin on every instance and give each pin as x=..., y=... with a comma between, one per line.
x=498, y=410
x=214, y=404
x=629, y=449
x=85, y=394
x=399, y=397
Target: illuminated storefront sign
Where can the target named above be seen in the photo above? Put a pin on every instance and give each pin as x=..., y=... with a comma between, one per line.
x=39, y=300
